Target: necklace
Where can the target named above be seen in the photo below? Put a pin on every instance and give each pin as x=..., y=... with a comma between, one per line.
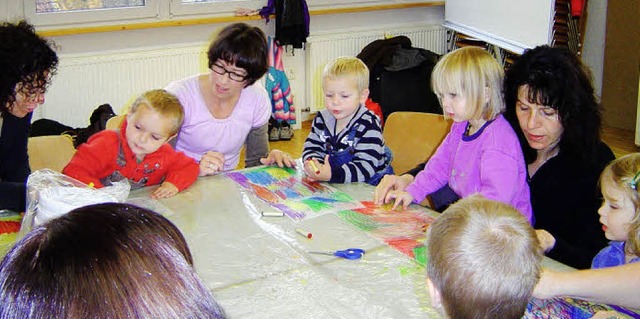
x=467, y=129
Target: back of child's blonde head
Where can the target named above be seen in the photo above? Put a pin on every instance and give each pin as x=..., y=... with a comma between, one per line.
x=624, y=174
x=484, y=259
x=347, y=66
x=164, y=103
x=476, y=75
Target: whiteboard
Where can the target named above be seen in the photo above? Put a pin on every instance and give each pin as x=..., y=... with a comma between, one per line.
x=513, y=25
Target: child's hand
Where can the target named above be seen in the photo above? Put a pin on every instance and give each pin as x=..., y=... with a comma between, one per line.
x=211, y=163
x=165, y=190
x=402, y=198
x=547, y=241
x=279, y=158
x=317, y=171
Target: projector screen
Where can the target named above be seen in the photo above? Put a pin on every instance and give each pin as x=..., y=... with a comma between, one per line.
x=511, y=25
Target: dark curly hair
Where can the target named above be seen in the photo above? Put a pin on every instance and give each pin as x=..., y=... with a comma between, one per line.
x=557, y=78
x=242, y=45
x=27, y=62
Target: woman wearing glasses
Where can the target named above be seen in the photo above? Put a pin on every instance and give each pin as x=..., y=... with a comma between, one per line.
x=225, y=108
x=27, y=63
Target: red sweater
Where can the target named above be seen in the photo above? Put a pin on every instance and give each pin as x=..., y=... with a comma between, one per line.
x=97, y=159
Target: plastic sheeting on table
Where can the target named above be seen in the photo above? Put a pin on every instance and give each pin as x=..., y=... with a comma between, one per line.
x=51, y=194
x=259, y=267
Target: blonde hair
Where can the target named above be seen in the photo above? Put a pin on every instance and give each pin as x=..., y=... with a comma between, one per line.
x=484, y=259
x=348, y=66
x=164, y=103
x=622, y=173
x=476, y=75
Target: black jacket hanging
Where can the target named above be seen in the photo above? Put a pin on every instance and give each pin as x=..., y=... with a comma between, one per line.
x=292, y=21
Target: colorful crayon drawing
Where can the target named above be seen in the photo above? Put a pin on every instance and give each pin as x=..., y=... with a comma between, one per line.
x=403, y=230
x=289, y=191
x=569, y=308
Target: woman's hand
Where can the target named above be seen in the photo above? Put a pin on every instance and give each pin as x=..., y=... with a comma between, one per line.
x=316, y=170
x=279, y=158
x=546, y=287
x=547, y=241
x=165, y=190
x=390, y=183
x=211, y=163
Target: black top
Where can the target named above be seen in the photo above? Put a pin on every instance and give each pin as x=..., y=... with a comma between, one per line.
x=565, y=198
x=14, y=161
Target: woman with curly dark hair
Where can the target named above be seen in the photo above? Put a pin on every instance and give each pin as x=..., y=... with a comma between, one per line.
x=550, y=103
x=27, y=63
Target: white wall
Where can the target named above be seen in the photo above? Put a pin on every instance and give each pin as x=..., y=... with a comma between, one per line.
x=136, y=40
x=594, y=41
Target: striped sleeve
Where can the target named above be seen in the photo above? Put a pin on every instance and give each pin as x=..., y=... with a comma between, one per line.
x=369, y=152
x=314, y=144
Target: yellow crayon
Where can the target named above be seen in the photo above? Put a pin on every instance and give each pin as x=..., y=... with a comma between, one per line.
x=313, y=165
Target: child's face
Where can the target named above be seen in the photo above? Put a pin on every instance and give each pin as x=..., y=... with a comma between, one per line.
x=147, y=130
x=341, y=97
x=616, y=212
x=455, y=106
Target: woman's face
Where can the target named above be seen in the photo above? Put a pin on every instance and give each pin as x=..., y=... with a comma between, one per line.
x=540, y=124
x=227, y=80
x=25, y=102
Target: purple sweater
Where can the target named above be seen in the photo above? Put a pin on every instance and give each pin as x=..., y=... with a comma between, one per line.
x=489, y=162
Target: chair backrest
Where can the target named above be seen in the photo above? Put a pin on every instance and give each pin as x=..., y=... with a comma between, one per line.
x=50, y=151
x=115, y=122
x=413, y=137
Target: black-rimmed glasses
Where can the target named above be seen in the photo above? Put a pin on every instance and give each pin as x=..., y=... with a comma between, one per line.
x=232, y=75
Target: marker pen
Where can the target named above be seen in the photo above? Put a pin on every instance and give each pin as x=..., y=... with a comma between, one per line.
x=313, y=165
x=304, y=233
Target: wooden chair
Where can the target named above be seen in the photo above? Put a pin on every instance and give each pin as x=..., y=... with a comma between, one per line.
x=413, y=137
x=115, y=122
x=50, y=151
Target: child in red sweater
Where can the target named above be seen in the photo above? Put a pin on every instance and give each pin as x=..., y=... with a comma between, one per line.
x=139, y=150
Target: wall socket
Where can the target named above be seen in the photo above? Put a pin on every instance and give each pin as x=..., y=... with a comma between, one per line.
x=291, y=74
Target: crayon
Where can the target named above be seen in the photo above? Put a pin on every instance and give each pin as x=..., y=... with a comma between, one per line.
x=272, y=214
x=304, y=233
x=313, y=165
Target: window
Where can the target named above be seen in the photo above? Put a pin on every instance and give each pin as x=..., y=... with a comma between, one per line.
x=79, y=13
x=212, y=7
x=49, y=6
x=82, y=12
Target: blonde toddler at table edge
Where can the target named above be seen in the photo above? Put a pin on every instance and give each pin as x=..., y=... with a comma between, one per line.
x=345, y=143
x=481, y=153
x=484, y=260
x=614, y=276
x=139, y=150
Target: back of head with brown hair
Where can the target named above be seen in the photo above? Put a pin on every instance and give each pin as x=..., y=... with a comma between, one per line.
x=484, y=259
x=103, y=261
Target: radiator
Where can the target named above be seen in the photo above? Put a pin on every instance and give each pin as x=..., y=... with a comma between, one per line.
x=326, y=47
x=85, y=81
